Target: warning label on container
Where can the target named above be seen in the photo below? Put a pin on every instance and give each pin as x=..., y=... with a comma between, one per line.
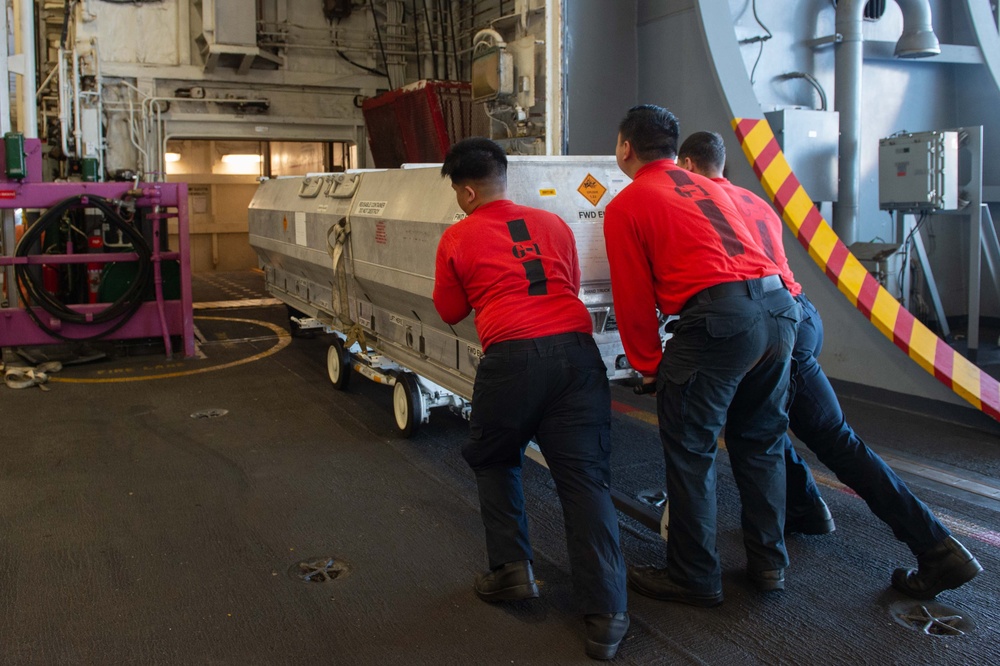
x=300, y=228
x=591, y=189
x=371, y=208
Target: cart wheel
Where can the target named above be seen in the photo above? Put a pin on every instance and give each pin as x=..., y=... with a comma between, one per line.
x=407, y=404
x=338, y=364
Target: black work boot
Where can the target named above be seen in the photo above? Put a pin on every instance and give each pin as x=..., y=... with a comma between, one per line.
x=605, y=632
x=772, y=580
x=945, y=566
x=656, y=583
x=815, y=520
x=513, y=581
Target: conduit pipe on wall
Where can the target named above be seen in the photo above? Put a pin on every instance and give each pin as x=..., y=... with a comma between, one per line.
x=917, y=41
x=28, y=112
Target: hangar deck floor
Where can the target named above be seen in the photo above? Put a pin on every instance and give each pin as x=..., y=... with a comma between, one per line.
x=133, y=533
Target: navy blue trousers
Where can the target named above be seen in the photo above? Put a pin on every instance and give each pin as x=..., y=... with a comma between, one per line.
x=817, y=419
x=553, y=389
x=727, y=362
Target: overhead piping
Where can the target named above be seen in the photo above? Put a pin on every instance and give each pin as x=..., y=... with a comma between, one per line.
x=28, y=111
x=917, y=41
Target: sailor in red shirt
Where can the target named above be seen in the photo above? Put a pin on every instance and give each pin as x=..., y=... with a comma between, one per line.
x=676, y=244
x=816, y=418
x=541, y=377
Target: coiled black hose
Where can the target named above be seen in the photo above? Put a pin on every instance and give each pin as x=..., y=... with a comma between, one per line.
x=121, y=309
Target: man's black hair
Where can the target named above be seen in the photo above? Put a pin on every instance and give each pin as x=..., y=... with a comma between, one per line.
x=652, y=132
x=475, y=159
x=706, y=149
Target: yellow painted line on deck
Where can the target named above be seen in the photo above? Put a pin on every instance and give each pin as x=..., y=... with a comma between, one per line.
x=283, y=340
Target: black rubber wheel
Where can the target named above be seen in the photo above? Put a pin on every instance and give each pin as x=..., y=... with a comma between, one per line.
x=406, y=401
x=338, y=364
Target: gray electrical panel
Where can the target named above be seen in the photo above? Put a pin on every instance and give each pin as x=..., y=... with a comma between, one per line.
x=918, y=172
x=809, y=139
x=235, y=22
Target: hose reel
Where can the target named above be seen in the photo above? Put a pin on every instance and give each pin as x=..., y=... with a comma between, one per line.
x=33, y=292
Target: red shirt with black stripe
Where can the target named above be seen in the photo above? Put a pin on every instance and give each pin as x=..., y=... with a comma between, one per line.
x=765, y=227
x=670, y=234
x=517, y=267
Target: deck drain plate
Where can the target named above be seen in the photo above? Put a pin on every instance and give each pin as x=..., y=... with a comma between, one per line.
x=931, y=618
x=654, y=497
x=209, y=413
x=318, y=570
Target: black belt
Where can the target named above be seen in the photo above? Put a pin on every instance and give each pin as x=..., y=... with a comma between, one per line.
x=745, y=288
x=530, y=344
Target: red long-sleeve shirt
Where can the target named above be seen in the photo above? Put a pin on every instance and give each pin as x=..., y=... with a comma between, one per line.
x=670, y=234
x=517, y=267
x=765, y=227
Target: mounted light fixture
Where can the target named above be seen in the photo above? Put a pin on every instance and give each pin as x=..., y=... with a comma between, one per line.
x=171, y=157
x=242, y=159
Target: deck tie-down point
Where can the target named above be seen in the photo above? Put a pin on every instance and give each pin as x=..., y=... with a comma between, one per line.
x=654, y=497
x=209, y=413
x=933, y=619
x=318, y=570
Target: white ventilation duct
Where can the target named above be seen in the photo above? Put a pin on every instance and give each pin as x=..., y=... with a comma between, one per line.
x=917, y=41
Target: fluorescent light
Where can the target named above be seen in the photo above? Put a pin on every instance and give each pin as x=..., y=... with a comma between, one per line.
x=242, y=158
x=172, y=157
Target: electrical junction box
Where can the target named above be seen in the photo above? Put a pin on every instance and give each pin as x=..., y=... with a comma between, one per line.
x=15, y=166
x=90, y=125
x=918, y=172
x=810, y=141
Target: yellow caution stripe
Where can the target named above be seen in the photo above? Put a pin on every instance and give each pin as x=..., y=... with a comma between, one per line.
x=860, y=287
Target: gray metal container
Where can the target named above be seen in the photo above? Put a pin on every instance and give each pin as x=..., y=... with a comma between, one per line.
x=379, y=281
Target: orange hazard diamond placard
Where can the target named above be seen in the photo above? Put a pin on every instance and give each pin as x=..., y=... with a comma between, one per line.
x=591, y=189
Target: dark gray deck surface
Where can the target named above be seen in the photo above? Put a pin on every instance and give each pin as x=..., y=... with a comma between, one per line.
x=133, y=533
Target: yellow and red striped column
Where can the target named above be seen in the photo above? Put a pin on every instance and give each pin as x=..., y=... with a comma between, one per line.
x=800, y=214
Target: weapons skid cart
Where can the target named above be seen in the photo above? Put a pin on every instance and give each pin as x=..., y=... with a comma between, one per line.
x=354, y=253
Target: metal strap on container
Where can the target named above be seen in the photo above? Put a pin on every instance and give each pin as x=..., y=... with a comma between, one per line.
x=339, y=233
